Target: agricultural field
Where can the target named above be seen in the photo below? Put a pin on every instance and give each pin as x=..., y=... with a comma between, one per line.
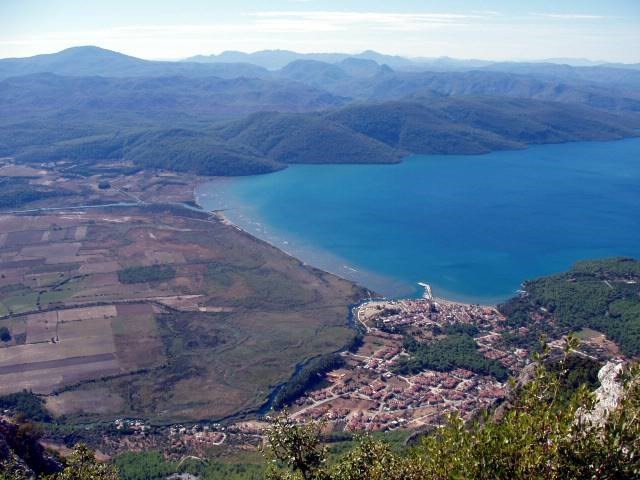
x=156, y=312
x=60, y=184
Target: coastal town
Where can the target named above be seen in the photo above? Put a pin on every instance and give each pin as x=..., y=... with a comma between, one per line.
x=368, y=394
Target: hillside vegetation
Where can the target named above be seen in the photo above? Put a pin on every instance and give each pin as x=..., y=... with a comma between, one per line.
x=268, y=141
x=180, y=150
x=448, y=353
x=15, y=192
x=290, y=138
x=603, y=295
x=89, y=105
x=477, y=125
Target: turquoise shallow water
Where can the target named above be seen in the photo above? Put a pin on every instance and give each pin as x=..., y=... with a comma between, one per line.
x=473, y=226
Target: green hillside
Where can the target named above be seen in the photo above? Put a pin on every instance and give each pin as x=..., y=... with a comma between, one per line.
x=602, y=295
x=242, y=126
x=461, y=125
x=291, y=138
x=180, y=150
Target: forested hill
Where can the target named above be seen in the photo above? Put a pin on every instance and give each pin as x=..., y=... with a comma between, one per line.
x=90, y=105
x=312, y=138
x=602, y=295
x=471, y=125
x=179, y=131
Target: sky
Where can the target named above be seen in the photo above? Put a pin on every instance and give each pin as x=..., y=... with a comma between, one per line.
x=602, y=30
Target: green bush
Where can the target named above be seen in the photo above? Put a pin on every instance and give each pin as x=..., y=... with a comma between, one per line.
x=5, y=335
x=82, y=465
x=154, y=466
x=26, y=403
x=154, y=273
x=143, y=466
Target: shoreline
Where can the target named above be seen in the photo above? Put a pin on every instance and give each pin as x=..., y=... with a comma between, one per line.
x=449, y=297
x=487, y=272
x=220, y=216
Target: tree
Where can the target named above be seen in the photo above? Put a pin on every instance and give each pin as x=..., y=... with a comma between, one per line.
x=82, y=465
x=296, y=446
x=11, y=470
x=5, y=335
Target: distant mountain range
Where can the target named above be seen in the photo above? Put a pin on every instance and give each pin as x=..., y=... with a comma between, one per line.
x=277, y=59
x=88, y=104
x=368, y=76
x=94, y=61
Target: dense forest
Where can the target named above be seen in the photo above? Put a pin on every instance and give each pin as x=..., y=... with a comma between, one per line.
x=268, y=141
x=180, y=150
x=445, y=354
x=603, y=295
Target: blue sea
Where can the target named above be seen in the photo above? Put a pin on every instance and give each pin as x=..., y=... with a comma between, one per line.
x=474, y=227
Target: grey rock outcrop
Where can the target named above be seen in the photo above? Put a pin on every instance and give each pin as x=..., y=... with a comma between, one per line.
x=608, y=394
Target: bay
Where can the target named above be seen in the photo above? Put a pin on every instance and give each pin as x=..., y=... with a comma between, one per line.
x=474, y=227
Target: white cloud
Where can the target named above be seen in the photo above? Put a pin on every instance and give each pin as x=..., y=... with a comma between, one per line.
x=319, y=21
x=489, y=13
x=477, y=34
x=568, y=16
x=264, y=25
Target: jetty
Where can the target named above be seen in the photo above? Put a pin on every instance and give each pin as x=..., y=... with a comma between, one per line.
x=427, y=295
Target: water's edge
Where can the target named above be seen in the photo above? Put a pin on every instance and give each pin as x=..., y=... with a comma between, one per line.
x=501, y=218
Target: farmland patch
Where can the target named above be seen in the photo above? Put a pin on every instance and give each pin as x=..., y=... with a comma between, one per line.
x=212, y=321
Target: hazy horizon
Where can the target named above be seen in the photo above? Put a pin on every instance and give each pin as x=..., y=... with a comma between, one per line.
x=354, y=53
x=465, y=29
